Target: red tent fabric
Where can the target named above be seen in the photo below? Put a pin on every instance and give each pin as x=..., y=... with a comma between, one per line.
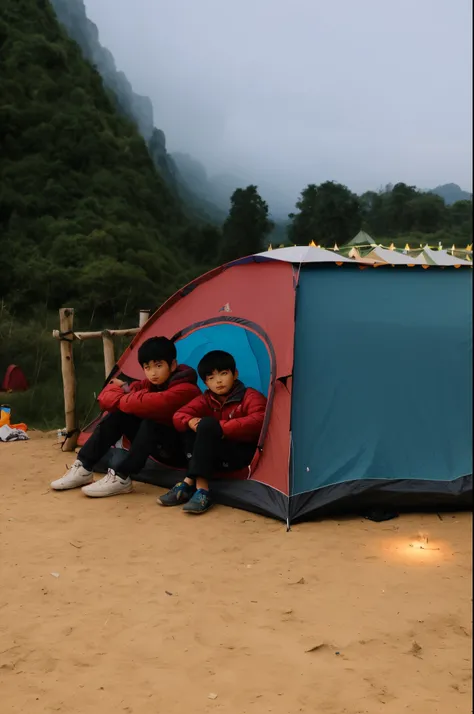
x=14, y=380
x=260, y=297
x=264, y=294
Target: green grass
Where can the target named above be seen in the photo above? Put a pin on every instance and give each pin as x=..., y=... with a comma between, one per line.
x=31, y=346
x=42, y=406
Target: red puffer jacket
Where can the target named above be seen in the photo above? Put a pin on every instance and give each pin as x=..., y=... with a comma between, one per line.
x=240, y=416
x=147, y=401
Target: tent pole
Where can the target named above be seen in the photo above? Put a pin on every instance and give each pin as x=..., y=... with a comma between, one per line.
x=290, y=482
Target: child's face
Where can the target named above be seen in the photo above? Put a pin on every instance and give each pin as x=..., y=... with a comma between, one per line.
x=158, y=372
x=221, y=383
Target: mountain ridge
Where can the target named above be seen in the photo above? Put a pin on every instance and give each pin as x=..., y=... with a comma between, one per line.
x=451, y=193
x=72, y=14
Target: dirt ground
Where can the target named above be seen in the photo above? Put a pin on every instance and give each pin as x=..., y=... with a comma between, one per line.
x=117, y=605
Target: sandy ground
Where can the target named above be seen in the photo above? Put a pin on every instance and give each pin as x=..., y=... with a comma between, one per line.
x=151, y=611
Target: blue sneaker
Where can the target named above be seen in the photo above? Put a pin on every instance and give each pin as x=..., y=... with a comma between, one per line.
x=199, y=503
x=180, y=493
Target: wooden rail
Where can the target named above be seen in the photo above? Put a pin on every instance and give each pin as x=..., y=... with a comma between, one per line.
x=66, y=337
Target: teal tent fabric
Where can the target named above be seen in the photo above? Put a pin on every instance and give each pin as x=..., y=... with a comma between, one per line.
x=382, y=377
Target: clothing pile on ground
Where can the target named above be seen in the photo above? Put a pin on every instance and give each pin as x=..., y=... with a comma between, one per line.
x=11, y=433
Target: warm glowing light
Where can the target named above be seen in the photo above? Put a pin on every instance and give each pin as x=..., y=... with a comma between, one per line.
x=469, y=247
x=270, y=247
x=407, y=247
x=313, y=244
x=419, y=549
x=453, y=247
x=392, y=246
x=335, y=247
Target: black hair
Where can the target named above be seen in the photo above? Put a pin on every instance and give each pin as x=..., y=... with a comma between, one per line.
x=157, y=349
x=217, y=360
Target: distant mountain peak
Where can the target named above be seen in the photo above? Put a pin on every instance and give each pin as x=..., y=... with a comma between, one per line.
x=451, y=193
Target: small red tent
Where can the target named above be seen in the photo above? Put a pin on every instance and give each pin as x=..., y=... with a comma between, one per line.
x=14, y=380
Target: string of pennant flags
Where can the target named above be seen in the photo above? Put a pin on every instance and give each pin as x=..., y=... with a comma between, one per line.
x=407, y=249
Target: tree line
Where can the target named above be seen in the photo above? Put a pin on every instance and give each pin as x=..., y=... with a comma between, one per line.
x=330, y=214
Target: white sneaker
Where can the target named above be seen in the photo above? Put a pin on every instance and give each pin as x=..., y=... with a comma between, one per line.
x=109, y=485
x=75, y=477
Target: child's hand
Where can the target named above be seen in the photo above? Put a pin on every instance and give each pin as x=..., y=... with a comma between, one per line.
x=117, y=382
x=193, y=423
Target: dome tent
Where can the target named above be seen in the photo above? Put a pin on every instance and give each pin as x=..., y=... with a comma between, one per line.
x=304, y=325
x=14, y=380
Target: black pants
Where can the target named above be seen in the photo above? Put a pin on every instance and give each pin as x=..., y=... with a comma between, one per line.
x=207, y=452
x=147, y=439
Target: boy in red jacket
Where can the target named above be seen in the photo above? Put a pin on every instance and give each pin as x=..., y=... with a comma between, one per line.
x=221, y=429
x=143, y=412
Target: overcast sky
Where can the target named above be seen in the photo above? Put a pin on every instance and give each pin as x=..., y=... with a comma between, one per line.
x=290, y=92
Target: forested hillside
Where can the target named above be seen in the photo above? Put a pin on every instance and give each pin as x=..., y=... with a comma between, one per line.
x=137, y=108
x=85, y=217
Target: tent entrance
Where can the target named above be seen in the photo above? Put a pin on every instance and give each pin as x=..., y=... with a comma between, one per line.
x=246, y=342
x=249, y=350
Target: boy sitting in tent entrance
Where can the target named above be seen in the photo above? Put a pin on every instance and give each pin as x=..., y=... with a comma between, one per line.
x=143, y=412
x=221, y=429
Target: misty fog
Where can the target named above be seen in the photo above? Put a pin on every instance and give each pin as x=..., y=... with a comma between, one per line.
x=286, y=92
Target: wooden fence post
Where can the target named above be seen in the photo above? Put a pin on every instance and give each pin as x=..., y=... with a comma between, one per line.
x=109, y=352
x=144, y=315
x=66, y=321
